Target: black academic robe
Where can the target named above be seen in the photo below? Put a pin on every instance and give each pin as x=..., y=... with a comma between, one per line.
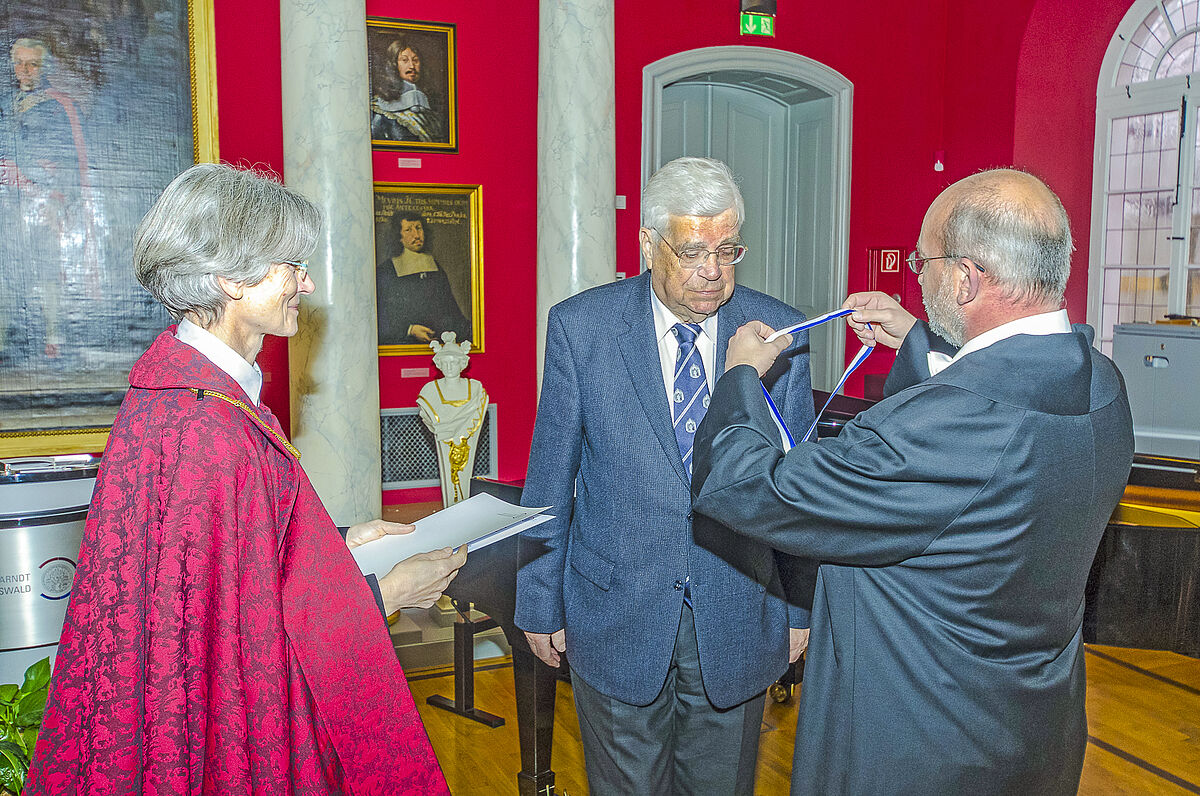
x=423, y=298
x=959, y=518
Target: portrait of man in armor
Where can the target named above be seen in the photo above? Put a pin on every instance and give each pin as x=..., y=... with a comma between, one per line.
x=413, y=86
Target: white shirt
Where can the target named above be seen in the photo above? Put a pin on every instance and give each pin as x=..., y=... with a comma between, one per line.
x=1055, y=322
x=409, y=262
x=248, y=376
x=668, y=346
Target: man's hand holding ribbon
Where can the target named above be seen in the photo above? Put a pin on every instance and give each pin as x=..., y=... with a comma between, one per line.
x=878, y=318
x=749, y=346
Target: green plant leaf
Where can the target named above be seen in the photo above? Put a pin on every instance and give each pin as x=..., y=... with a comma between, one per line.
x=10, y=777
x=8, y=693
x=30, y=709
x=13, y=766
x=30, y=736
x=37, y=676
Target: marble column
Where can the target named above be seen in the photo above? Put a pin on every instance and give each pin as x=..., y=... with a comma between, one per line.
x=333, y=361
x=576, y=232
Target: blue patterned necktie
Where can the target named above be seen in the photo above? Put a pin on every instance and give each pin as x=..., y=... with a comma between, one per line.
x=689, y=398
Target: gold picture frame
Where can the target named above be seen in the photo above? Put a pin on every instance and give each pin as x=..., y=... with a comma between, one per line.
x=156, y=40
x=413, y=85
x=429, y=265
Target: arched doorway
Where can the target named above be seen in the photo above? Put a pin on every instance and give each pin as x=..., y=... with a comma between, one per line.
x=782, y=123
x=1145, y=246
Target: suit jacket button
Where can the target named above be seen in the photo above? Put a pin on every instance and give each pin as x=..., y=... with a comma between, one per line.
x=678, y=585
x=690, y=516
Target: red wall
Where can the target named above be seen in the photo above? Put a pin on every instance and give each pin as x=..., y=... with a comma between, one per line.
x=497, y=103
x=497, y=148
x=984, y=40
x=987, y=83
x=1055, y=124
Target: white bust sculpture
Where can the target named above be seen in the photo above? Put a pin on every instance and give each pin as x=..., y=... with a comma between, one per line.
x=453, y=408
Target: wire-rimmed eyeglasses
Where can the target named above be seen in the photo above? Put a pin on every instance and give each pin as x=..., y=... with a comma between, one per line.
x=301, y=267
x=916, y=262
x=729, y=254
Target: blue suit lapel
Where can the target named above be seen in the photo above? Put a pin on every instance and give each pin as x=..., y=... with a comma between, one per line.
x=729, y=319
x=639, y=349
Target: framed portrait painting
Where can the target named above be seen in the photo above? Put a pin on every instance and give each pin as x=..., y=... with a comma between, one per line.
x=102, y=103
x=429, y=265
x=413, y=85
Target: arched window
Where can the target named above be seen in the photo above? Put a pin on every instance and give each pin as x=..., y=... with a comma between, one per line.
x=1146, y=218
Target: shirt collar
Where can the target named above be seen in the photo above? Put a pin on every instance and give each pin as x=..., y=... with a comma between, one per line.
x=665, y=320
x=1055, y=322
x=409, y=262
x=248, y=376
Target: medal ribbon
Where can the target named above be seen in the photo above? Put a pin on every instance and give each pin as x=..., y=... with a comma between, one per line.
x=785, y=435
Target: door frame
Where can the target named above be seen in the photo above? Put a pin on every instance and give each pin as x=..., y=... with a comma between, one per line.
x=659, y=74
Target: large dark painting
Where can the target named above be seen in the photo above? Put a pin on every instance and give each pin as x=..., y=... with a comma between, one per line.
x=429, y=265
x=96, y=117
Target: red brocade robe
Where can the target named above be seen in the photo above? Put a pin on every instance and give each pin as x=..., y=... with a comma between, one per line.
x=220, y=638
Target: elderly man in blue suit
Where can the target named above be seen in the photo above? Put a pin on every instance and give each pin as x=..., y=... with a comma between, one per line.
x=957, y=519
x=673, y=625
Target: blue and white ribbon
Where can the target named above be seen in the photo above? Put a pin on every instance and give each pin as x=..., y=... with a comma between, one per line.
x=810, y=323
x=784, y=435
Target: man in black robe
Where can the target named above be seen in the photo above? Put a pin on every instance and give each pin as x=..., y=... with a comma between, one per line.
x=957, y=518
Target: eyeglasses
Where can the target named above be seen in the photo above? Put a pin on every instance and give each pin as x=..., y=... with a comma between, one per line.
x=730, y=254
x=916, y=262
x=301, y=268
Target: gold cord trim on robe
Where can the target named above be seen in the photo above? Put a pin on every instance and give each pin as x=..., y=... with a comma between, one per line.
x=254, y=415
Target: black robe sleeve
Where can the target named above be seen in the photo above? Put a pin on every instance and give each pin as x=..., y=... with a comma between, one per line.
x=372, y=581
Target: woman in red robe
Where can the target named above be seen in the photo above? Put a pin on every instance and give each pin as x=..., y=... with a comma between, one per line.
x=220, y=638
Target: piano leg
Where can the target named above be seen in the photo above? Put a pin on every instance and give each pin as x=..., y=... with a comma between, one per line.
x=536, y=687
x=464, y=671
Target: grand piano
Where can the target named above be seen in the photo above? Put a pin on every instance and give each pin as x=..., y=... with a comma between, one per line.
x=1144, y=587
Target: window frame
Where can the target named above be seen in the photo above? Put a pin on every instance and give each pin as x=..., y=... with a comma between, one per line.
x=1119, y=100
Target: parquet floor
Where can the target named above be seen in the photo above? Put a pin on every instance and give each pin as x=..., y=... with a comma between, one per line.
x=1143, y=724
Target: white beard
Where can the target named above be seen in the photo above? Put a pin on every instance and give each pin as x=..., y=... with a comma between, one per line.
x=945, y=315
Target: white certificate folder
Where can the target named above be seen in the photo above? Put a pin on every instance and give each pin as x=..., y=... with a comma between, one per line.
x=476, y=522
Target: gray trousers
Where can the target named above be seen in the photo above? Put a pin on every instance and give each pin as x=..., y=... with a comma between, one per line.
x=679, y=743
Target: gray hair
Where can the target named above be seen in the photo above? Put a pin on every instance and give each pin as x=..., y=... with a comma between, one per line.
x=34, y=44
x=215, y=220
x=1025, y=246
x=690, y=187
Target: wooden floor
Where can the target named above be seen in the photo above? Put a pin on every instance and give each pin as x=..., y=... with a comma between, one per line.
x=1143, y=724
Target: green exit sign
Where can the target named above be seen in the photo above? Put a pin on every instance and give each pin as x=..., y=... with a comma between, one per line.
x=757, y=25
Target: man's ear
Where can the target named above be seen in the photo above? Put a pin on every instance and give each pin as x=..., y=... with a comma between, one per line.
x=230, y=288
x=968, y=281
x=647, y=245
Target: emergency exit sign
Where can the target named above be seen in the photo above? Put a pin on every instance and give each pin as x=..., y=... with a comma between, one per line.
x=757, y=25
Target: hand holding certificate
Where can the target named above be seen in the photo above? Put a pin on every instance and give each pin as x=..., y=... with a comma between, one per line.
x=477, y=522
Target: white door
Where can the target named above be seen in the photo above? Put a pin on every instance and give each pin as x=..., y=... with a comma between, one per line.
x=781, y=153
